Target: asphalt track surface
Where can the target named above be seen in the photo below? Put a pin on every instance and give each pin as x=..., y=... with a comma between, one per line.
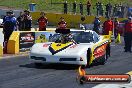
x=20, y=72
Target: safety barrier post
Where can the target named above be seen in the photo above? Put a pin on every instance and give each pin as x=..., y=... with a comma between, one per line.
x=1, y=50
x=118, y=39
x=13, y=43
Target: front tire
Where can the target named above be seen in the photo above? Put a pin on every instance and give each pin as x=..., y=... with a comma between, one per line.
x=88, y=57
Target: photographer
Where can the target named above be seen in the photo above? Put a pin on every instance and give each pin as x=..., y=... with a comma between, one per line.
x=27, y=21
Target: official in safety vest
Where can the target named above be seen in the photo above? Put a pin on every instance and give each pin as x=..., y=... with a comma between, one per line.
x=62, y=24
x=42, y=21
x=108, y=26
x=128, y=35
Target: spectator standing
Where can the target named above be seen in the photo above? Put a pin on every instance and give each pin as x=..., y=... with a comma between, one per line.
x=109, y=9
x=101, y=9
x=9, y=25
x=97, y=24
x=122, y=11
x=42, y=21
x=108, y=26
x=128, y=35
x=115, y=10
x=74, y=7
x=81, y=8
x=119, y=10
x=65, y=7
x=27, y=21
x=129, y=12
x=116, y=24
x=97, y=8
x=62, y=24
x=88, y=8
x=20, y=22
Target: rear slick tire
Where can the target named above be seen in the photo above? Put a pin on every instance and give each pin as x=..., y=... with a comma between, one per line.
x=104, y=60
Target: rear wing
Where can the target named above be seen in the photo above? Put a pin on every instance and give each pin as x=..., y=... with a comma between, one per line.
x=63, y=31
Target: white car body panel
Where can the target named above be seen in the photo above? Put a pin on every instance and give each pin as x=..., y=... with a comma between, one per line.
x=79, y=51
x=39, y=51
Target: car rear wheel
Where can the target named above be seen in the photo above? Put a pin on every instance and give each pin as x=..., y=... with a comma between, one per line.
x=104, y=59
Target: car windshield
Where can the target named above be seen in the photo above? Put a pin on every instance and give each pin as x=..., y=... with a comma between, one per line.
x=76, y=36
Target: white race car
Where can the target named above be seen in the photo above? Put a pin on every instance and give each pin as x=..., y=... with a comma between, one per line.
x=80, y=47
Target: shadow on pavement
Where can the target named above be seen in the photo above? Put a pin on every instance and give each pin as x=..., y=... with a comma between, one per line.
x=50, y=66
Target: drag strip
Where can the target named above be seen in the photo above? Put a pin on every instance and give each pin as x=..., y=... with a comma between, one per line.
x=20, y=72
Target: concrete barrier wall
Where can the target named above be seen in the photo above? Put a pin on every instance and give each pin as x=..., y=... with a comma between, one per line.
x=16, y=44
x=13, y=43
x=1, y=41
x=72, y=20
x=1, y=50
x=1, y=36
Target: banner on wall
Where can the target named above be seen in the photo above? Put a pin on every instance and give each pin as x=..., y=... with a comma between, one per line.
x=41, y=37
x=27, y=40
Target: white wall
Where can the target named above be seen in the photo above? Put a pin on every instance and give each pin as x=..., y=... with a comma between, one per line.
x=1, y=36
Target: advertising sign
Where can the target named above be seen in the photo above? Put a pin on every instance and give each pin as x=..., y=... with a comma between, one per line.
x=41, y=37
x=27, y=40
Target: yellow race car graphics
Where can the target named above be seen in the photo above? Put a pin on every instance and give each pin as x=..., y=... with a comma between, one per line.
x=57, y=47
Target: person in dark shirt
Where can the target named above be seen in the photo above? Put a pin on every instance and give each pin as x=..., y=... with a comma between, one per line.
x=27, y=20
x=81, y=8
x=9, y=25
x=20, y=22
x=97, y=24
x=116, y=24
x=65, y=7
x=74, y=7
x=128, y=35
x=88, y=7
x=97, y=8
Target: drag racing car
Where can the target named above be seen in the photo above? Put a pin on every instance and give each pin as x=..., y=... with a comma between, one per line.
x=69, y=46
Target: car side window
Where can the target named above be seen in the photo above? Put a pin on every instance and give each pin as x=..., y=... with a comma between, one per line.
x=95, y=37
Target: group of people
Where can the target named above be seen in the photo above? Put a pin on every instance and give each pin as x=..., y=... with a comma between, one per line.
x=113, y=25
x=24, y=23
x=81, y=7
x=11, y=23
x=117, y=10
x=43, y=22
